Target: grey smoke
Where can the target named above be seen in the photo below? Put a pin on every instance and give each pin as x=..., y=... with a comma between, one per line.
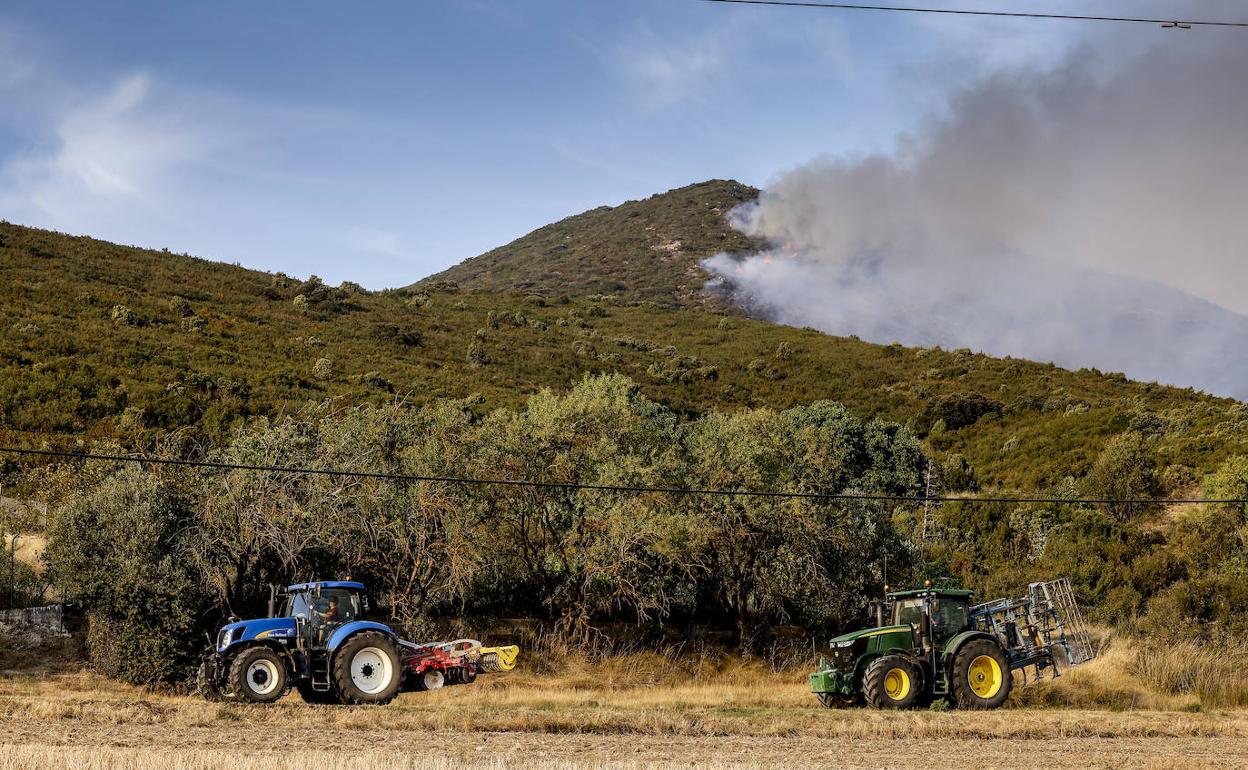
x=1085, y=218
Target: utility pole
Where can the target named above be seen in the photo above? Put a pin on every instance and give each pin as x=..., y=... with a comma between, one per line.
x=12, y=592
x=927, y=500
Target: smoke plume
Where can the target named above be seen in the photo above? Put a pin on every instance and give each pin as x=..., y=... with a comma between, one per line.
x=1073, y=216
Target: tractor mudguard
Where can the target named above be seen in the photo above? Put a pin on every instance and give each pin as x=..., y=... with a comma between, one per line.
x=865, y=661
x=951, y=646
x=346, y=630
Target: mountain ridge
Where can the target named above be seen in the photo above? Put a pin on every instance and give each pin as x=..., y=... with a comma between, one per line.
x=648, y=249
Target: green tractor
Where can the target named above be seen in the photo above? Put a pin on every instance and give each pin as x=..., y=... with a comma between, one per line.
x=937, y=644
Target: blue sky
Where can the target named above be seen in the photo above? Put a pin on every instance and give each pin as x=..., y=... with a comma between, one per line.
x=382, y=142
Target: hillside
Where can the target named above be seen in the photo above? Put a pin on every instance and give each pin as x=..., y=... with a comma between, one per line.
x=111, y=341
x=640, y=250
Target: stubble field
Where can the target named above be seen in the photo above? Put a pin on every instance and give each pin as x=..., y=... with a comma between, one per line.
x=638, y=711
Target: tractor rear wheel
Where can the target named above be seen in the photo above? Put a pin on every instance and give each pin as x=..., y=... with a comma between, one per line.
x=981, y=675
x=258, y=675
x=367, y=670
x=892, y=682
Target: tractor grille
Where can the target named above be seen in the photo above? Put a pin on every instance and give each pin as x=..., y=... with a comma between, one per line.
x=841, y=659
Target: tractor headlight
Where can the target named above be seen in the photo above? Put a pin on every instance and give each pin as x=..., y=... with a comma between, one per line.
x=227, y=637
x=846, y=643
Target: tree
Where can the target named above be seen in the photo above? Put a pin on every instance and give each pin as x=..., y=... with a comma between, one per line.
x=257, y=527
x=121, y=551
x=583, y=552
x=806, y=559
x=414, y=543
x=1125, y=471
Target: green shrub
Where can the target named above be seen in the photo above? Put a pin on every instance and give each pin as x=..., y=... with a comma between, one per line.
x=123, y=315
x=958, y=410
x=476, y=355
x=120, y=550
x=323, y=369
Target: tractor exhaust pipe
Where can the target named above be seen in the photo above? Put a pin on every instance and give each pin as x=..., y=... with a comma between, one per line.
x=272, y=600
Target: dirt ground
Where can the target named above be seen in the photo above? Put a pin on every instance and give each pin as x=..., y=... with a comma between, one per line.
x=386, y=748
x=81, y=720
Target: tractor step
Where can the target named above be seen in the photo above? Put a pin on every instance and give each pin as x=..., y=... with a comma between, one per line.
x=320, y=675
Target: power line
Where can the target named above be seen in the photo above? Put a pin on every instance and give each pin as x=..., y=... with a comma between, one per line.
x=1168, y=23
x=480, y=481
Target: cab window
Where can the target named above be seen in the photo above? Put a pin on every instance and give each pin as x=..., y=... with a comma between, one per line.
x=907, y=612
x=949, y=617
x=329, y=606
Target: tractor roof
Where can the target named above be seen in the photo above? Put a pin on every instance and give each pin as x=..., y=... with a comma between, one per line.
x=326, y=584
x=956, y=593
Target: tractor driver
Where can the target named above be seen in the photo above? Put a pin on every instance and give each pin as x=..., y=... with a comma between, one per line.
x=331, y=614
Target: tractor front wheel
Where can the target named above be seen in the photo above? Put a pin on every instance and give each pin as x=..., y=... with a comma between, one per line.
x=831, y=700
x=892, y=682
x=981, y=675
x=205, y=684
x=258, y=675
x=367, y=670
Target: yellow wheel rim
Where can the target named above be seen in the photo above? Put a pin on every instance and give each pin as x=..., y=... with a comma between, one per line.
x=896, y=684
x=985, y=676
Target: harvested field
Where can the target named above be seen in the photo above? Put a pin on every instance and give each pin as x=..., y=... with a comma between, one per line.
x=741, y=716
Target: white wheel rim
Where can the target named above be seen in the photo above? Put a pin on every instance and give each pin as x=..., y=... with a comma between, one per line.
x=262, y=677
x=371, y=671
x=433, y=679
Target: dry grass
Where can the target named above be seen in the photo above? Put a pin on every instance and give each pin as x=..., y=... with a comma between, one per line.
x=638, y=710
x=649, y=694
x=1148, y=674
x=13, y=757
x=30, y=548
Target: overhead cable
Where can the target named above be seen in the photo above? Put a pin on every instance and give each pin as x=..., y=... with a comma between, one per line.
x=1166, y=23
x=638, y=489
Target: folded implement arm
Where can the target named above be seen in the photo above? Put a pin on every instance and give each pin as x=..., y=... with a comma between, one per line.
x=486, y=660
x=1043, y=630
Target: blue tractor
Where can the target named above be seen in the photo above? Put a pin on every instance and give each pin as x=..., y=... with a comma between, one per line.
x=315, y=640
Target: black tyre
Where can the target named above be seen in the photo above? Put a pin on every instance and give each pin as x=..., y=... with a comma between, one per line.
x=205, y=684
x=317, y=697
x=980, y=678
x=257, y=675
x=367, y=670
x=831, y=700
x=892, y=682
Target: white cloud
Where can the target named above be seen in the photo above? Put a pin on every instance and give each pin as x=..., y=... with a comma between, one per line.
x=94, y=150
x=666, y=69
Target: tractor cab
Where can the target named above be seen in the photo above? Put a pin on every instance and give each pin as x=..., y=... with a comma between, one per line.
x=936, y=614
x=317, y=609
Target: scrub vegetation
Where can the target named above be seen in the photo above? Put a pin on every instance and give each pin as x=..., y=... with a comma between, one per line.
x=71, y=367
x=574, y=380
